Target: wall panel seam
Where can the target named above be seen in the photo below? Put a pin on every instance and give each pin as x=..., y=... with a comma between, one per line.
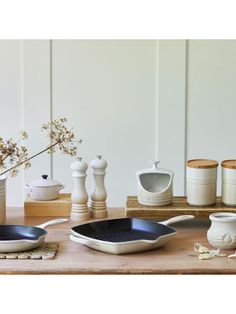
x=186, y=112
x=51, y=100
x=22, y=101
x=157, y=100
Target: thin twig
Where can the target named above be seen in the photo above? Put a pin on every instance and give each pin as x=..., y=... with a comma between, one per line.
x=24, y=161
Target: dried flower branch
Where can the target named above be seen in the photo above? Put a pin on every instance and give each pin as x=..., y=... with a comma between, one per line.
x=13, y=155
x=58, y=133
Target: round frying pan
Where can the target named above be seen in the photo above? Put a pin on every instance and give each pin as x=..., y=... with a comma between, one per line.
x=125, y=235
x=18, y=238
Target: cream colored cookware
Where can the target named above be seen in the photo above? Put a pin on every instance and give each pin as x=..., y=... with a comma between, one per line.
x=44, y=189
x=125, y=235
x=19, y=238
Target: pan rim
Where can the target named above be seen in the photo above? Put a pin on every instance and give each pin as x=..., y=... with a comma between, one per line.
x=92, y=240
x=120, y=218
x=77, y=234
x=24, y=239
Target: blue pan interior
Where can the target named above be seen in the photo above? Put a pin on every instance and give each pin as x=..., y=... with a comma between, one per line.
x=123, y=230
x=18, y=232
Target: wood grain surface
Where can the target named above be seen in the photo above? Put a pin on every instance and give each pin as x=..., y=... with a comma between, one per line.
x=177, y=257
x=59, y=207
x=178, y=207
x=202, y=163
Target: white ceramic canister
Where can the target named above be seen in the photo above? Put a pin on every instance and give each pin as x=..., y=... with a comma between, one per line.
x=201, y=182
x=2, y=199
x=229, y=182
x=222, y=233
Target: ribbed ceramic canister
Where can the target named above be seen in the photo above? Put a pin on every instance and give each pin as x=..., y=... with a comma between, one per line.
x=2, y=200
x=229, y=182
x=201, y=182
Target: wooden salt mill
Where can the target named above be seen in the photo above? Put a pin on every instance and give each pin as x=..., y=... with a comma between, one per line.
x=98, y=194
x=79, y=196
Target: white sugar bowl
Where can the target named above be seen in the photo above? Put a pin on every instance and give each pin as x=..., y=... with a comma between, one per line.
x=222, y=233
x=44, y=189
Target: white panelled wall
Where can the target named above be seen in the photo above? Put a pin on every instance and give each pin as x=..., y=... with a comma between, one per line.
x=130, y=100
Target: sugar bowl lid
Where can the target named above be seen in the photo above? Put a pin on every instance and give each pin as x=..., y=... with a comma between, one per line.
x=230, y=163
x=202, y=163
x=44, y=182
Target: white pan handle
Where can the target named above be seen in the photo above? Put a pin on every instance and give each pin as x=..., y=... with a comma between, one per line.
x=177, y=219
x=52, y=222
x=79, y=240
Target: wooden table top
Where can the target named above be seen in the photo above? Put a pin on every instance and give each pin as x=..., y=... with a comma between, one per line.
x=176, y=257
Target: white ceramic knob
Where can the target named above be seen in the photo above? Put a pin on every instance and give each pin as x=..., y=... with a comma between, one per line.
x=79, y=195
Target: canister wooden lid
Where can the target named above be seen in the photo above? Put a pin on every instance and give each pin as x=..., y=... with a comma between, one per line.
x=202, y=163
x=230, y=163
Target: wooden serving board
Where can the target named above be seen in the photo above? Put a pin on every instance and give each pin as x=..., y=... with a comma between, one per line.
x=60, y=207
x=178, y=207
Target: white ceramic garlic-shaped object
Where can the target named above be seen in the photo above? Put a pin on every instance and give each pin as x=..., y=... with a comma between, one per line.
x=79, y=195
x=222, y=232
x=98, y=194
x=155, y=186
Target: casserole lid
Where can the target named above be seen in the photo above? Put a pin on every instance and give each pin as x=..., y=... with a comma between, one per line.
x=202, y=163
x=44, y=182
x=230, y=163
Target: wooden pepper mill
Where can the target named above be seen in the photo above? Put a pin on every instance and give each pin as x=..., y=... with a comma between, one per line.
x=98, y=194
x=79, y=196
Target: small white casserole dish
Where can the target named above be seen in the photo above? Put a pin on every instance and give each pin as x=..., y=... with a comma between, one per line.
x=44, y=189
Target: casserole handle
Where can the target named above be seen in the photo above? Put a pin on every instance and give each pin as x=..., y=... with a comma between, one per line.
x=79, y=240
x=176, y=219
x=61, y=186
x=52, y=222
x=28, y=188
